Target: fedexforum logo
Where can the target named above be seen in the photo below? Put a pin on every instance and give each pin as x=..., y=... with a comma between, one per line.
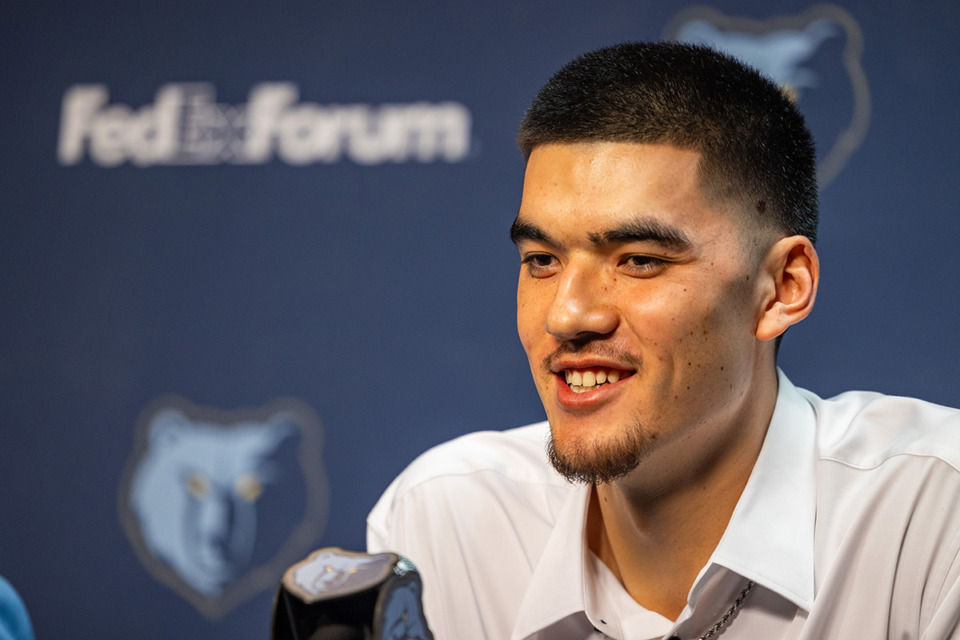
x=185, y=126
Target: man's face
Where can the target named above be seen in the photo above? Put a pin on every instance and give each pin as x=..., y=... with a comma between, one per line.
x=637, y=305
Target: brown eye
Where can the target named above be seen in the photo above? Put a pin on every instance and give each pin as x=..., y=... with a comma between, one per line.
x=640, y=265
x=540, y=265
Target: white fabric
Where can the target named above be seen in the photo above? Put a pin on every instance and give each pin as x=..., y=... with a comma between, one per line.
x=849, y=525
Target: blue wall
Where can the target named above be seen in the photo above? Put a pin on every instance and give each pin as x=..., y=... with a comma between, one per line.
x=358, y=278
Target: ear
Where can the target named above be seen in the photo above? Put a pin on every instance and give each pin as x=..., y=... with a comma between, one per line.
x=792, y=269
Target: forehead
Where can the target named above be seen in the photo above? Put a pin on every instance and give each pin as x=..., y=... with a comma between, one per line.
x=591, y=162
x=591, y=186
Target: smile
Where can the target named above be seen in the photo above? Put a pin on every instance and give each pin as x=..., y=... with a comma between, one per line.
x=583, y=380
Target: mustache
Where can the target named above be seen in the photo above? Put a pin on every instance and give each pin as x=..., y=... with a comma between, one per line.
x=597, y=350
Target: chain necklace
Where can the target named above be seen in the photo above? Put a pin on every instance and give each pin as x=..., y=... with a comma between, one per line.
x=727, y=617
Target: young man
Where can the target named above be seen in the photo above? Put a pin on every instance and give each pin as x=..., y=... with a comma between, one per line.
x=688, y=489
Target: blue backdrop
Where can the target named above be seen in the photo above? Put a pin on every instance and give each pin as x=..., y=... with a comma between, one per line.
x=254, y=259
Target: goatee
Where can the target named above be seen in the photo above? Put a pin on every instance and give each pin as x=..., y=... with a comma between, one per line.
x=603, y=462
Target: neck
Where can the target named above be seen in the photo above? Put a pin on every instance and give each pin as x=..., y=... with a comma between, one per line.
x=657, y=528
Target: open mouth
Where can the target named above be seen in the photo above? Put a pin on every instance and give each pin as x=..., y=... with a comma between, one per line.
x=583, y=380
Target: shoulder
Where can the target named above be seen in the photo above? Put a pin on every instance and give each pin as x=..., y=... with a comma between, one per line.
x=886, y=526
x=866, y=429
x=479, y=474
x=468, y=513
x=517, y=454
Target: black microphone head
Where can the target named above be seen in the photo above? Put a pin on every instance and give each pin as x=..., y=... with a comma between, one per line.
x=338, y=632
x=344, y=595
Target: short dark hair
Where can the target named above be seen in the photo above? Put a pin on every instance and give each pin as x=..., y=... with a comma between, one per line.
x=756, y=149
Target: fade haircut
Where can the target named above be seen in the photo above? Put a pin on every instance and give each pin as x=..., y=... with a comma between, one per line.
x=756, y=151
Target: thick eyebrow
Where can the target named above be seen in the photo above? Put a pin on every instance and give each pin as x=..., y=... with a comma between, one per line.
x=640, y=229
x=521, y=230
x=643, y=230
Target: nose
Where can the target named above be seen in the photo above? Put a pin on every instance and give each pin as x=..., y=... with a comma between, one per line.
x=581, y=306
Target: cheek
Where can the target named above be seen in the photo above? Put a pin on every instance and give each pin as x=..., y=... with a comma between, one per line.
x=682, y=331
x=659, y=320
x=529, y=319
x=719, y=342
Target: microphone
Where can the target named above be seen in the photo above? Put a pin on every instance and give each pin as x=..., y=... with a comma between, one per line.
x=345, y=595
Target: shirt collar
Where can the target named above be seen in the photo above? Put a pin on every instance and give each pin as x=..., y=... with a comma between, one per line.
x=556, y=588
x=561, y=585
x=769, y=538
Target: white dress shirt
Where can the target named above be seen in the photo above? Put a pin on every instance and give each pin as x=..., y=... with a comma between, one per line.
x=849, y=526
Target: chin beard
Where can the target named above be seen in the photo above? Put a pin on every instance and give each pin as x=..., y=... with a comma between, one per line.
x=603, y=462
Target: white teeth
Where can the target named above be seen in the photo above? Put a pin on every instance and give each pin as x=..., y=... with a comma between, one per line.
x=589, y=380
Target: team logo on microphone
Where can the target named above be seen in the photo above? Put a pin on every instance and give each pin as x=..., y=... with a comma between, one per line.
x=815, y=57
x=218, y=503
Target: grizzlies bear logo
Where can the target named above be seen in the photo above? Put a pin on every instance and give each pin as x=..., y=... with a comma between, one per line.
x=218, y=503
x=815, y=57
